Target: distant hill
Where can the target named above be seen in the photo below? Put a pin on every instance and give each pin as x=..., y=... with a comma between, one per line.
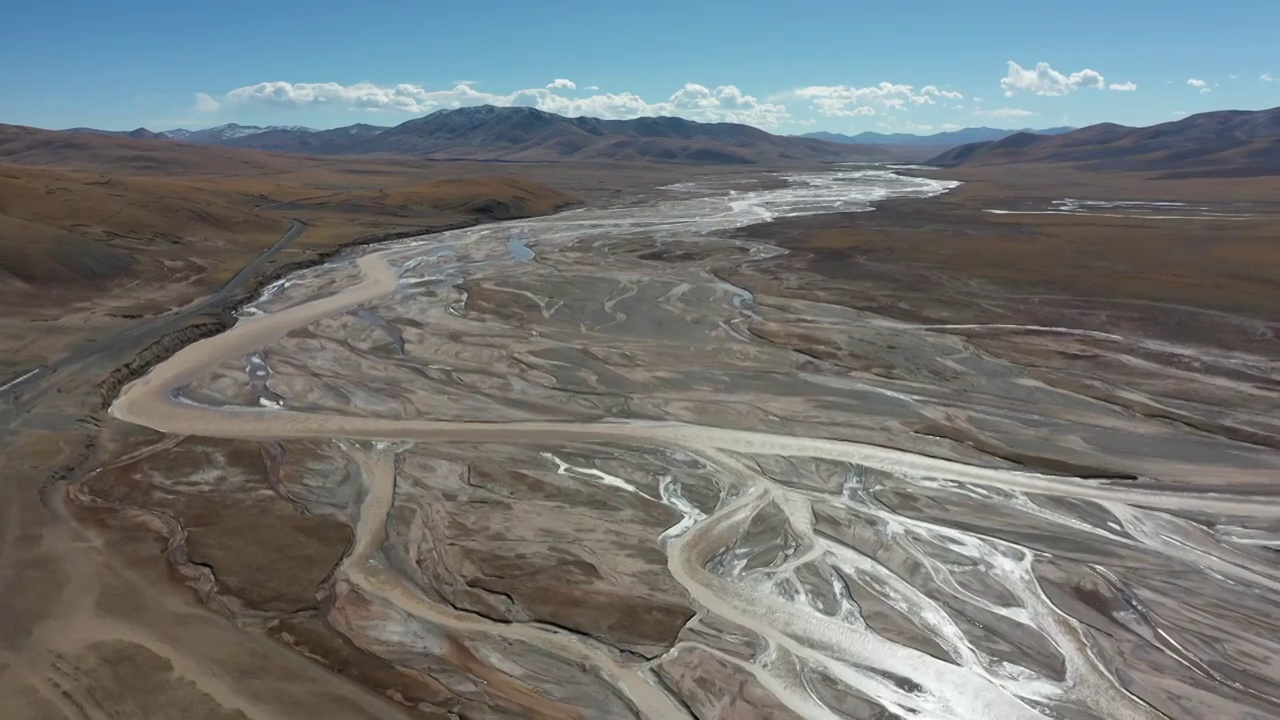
x=304, y=140
x=1229, y=143
x=89, y=210
x=942, y=139
x=520, y=133
x=140, y=133
x=228, y=132
x=527, y=134
x=123, y=153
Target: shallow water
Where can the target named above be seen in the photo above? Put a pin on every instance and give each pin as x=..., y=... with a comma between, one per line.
x=1145, y=210
x=583, y=401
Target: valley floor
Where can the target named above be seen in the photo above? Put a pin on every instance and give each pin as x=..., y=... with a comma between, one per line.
x=80, y=605
x=144, y=574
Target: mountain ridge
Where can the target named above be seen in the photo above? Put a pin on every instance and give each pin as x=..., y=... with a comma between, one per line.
x=1223, y=143
x=229, y=131
x=524, y=134
x=951, y=137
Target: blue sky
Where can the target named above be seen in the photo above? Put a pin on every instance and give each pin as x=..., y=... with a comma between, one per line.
x=844, y=66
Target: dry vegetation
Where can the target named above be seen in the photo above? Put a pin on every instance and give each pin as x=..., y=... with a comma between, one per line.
x=1054, y=180
x=96, y=230
x=496, y=197
x=102, y=206
x=64, y=231
x=1216, y=264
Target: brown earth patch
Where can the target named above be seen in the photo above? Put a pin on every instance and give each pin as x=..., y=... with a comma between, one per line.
x=216, y=497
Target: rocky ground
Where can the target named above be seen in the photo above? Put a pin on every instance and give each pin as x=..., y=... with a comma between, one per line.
x=224, y=573
x=56, y=657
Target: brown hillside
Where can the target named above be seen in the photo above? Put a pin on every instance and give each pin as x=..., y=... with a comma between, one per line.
x=66, y=229
x=499, y=197
x=1218, y=144
x=83, y=209
x=523, y=134
x=98, y=229
x=123, y=154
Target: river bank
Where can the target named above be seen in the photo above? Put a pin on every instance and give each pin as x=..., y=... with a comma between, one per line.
x=665, y=460
x=57, y=432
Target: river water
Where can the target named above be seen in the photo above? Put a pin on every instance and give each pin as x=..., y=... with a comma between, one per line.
x=588, y=479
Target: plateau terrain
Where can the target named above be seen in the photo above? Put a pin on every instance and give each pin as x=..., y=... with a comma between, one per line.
x=497, y=413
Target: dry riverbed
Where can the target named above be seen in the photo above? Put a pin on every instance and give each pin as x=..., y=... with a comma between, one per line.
x=662, y=460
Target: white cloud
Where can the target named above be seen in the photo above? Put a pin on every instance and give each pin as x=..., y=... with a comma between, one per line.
x=951, y=126
x=1006, y=113
x=591, y=87
x=1044, y=80
x=1268, y=77
x=1233, y=77
x=696, y=102
x=847, y=101
x=723, y=104
x=562, y=84
x=948, y=94
x=205, y=103
x=1123, y=87
x=1179, y=113
x=1196, y=83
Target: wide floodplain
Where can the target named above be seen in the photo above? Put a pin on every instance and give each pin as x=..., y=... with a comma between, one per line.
x=721, y=445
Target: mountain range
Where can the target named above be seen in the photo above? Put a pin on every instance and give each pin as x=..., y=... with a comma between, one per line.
x=942, y=139
x=231, y=131
x=1224, y=143
x=1228, y=143
x=522, y=134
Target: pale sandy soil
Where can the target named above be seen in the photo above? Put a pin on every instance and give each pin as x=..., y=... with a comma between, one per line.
x=930, y=462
